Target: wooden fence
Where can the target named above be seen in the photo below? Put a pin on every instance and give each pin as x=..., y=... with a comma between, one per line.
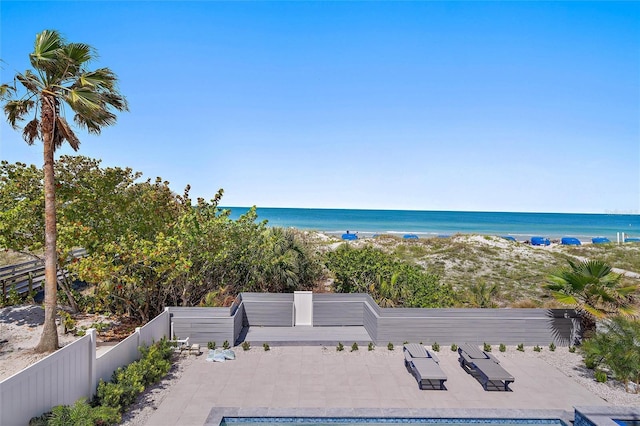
x=28, y=276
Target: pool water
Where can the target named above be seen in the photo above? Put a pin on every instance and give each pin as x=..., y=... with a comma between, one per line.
x=337, y=421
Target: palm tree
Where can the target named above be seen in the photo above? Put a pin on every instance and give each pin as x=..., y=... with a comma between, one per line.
x=594, y=290
x=59, y=77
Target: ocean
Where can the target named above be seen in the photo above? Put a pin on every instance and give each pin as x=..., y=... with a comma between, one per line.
x=521, y=226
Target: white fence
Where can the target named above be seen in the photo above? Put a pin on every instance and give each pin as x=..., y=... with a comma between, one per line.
x=71, y=373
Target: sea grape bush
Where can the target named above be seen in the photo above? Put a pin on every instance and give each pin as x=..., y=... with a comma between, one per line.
x=149, y=247
x=387, y=278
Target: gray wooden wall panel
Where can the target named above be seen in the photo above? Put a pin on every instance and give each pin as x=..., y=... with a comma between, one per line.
x=396, y=325
x=202, y=330
x=337, y=313
x=496, y=330
x=268, y=314
x=370, y=320
x=194, y=311
x=267, y=297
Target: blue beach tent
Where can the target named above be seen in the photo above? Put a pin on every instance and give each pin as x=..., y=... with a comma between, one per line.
x=349, y=237
x=508, y=237
x=632, y=240
x=600, y=240
x=410, y=236
x=540, y=241
x=570, y=241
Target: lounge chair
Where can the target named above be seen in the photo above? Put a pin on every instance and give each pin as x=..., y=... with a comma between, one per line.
x=485, y=365
x=424, y=366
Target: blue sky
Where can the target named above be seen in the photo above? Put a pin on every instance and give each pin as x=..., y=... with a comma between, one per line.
x=478, y=106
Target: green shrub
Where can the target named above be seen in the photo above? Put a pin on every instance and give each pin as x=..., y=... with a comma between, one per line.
x=435, y=347
x=13, y=297
x=537, y=348
x=42, y=420
x=78, y=414
x=211, y=345
x=354, y=347
x=128, y=382
x=371, y=346
x=520, y=347
x=616, y=347
x=390, y=346
x=572, y=349
x=590, y=362
x=486, y=347
x=266, y=347
x=502, y=347
x=454, y=347
x=387, y=278
x=226, y=344
x=68, y=323
x=246, y=345
x=601, y=376
x=340, y=347
x=552, y=347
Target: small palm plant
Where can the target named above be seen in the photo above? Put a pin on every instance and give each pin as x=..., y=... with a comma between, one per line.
x=594, y=290
x=481, y=295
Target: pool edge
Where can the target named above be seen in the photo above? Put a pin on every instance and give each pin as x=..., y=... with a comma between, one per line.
x=218, y=413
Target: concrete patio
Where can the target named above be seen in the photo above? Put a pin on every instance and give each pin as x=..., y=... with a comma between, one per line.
x=308, y=377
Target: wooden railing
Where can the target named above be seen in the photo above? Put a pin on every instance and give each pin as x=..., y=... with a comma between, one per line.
x=28, y=276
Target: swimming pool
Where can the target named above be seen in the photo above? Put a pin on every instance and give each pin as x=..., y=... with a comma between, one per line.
x=380, y=421
x=303, y=416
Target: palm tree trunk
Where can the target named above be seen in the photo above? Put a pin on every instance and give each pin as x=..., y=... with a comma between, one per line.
x=588, y=325
x=49, y=338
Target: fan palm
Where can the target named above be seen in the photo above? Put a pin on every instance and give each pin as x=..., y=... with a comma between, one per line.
x=594, y=290
x=59, y=78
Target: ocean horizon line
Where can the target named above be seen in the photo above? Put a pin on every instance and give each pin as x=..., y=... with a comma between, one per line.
x=605, y=213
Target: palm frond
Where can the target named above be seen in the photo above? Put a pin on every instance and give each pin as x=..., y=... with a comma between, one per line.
x=94, y=123
x=629, y=311
x=567, y=299
x=16, y=109
x=103, y=78
x=84, y=100
x=78, y=54
x=46, y=50
x=31, y=131
x=30, y=81
x=555, y=282
x=593, y=268
x=67, y=133
x=116, y=100
x=628, y=290
x=6, y=90
x=593, y=311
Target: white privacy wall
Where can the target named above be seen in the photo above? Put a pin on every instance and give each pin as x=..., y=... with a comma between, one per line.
x=70, y=373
